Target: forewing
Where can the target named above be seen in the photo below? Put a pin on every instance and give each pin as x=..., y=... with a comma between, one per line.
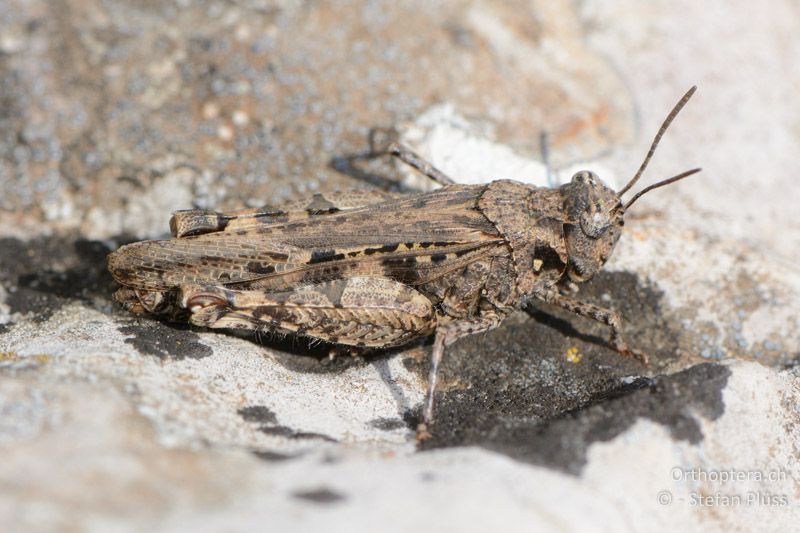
x=413, y=239
x=191, y=222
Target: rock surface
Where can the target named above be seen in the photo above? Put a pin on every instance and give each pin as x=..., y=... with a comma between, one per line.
x=116, y=113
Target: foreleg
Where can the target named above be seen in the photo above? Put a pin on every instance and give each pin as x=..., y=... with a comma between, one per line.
x=605, y=316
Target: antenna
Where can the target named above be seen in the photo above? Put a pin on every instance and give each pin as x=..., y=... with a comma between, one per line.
x=667, y=181
x=661, y=130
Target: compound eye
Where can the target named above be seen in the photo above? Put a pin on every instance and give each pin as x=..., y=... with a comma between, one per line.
x=584, y=176
x=594, y=223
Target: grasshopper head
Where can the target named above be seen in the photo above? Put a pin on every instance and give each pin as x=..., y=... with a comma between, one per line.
x=594, y=224
x=595, y=212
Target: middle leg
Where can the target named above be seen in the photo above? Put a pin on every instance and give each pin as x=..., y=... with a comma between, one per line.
x=445, y=336
x=409, y=157
x=384, y=141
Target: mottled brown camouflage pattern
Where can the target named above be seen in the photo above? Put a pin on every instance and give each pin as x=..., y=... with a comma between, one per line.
x=372, y=269
x=375, y=269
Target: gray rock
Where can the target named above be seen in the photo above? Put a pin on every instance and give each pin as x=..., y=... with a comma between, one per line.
x=116, y=113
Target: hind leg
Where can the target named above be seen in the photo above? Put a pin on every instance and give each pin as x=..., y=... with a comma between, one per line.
x=359, y=311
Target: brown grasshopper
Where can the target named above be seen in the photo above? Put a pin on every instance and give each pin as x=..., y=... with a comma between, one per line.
x=375, y=269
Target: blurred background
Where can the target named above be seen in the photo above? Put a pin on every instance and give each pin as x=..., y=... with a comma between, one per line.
x=114, y=113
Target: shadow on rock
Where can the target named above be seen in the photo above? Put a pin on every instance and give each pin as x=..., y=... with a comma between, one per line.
x=543, y=389
x=563, y=441
x=167, y=342
x=45, y=273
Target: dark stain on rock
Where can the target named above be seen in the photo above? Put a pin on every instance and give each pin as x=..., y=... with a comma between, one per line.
x=388, y=424
x=272, y=457
x=268, y=424
x=167, y=342
x=562, y=442
x=258, y=413
x=289, y=433
x=321, y=495
x=513, y=390
x=43, y=274
x=411, y=364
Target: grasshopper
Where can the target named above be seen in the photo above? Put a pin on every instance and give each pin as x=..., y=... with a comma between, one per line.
x=377, y=269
